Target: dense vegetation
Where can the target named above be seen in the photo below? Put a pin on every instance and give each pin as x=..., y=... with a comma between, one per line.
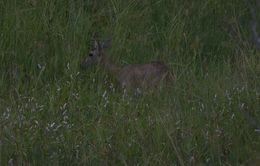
x=52, y=112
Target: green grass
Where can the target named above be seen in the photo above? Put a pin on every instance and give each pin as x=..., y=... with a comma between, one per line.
x=54, y=113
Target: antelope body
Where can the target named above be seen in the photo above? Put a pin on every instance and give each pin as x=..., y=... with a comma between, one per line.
x=149, y=75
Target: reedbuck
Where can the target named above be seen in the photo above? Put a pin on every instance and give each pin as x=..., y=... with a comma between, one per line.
x=150, y=75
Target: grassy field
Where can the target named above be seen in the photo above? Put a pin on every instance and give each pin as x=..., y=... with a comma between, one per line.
x=52, y=112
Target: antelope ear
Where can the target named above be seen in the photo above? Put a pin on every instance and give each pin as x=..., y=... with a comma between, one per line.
x=97, y=45
x=106, y=43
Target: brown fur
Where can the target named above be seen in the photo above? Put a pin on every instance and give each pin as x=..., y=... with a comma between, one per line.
x=151, y=75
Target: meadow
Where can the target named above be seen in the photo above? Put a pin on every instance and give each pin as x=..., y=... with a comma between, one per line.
x=53, y=112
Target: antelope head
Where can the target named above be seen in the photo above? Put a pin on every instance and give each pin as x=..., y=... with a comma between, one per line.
x=96, y=53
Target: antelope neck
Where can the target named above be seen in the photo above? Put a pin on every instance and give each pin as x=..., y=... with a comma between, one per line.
x=109, y=65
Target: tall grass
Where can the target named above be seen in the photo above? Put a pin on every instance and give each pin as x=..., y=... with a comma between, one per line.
x=54, y=113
